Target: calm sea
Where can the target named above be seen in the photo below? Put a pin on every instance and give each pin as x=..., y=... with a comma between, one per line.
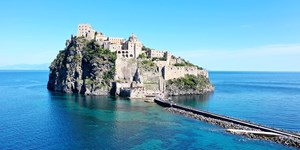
x=33, y=118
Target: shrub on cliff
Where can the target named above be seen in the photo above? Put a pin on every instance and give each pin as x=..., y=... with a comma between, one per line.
x=92, y=49
x=187, y=63
x=83, y=67
x=190, y=82
x=148, y=63
x=142, y=56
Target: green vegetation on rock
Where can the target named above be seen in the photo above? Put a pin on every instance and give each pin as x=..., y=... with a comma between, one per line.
x=148, y=65
x=142, y=56
x=144, y=48
x=58, y=60
x=93, y=50
x=89, y=81
x=86, y=61
x=187, y=63
x=86, y=67
x=160, y=59
x=190, y=82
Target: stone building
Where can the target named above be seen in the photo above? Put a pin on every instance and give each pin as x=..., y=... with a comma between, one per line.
x=100, y=37
x=116, y=40
x=86, y=30
x=130, y=48
x=155, y=54
x=112, y=46
x=132, y=79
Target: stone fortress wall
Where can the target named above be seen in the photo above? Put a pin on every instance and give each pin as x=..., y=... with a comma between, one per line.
x=156, y=53
x=127, y=64
x=125, y=69
x=173, y=72
x=149, y=80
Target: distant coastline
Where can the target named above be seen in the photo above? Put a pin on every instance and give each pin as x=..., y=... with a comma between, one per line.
x=24, y=70
x=43, y=66
x=5, y=69
x=251, y=71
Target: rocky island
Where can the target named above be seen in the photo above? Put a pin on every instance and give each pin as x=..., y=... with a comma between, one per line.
x=94, y=64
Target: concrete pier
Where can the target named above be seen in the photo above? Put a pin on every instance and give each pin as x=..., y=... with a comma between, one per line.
x=252, y=132
x=283, y=137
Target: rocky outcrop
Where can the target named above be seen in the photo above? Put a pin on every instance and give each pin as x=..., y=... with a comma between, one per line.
x=85, y=67
x=189, y=85
x=82, y=67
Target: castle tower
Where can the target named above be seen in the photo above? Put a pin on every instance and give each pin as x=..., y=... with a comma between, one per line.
x=133, y=38
x=134, y=45
x=86, y=30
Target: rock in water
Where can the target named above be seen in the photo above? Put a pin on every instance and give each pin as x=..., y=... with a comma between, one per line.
x=93, y=64
x=189, y=85
x=82, y=67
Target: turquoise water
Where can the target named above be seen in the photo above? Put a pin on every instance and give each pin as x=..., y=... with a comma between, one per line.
x=267, y=98
x=33, y=118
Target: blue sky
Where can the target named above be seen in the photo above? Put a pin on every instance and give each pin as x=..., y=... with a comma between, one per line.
x=247, y=35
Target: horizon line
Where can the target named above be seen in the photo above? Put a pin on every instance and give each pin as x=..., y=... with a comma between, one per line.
x=270, y=71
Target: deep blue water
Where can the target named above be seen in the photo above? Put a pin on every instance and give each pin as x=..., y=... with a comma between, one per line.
x=33, y=118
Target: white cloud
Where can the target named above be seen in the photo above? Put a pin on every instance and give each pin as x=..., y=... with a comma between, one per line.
x=284, y=57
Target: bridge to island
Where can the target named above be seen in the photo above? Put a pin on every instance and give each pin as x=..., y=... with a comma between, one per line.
x=264, y=129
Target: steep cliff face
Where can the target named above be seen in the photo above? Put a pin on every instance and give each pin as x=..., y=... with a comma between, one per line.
x=189, y=85
x=83, y=67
